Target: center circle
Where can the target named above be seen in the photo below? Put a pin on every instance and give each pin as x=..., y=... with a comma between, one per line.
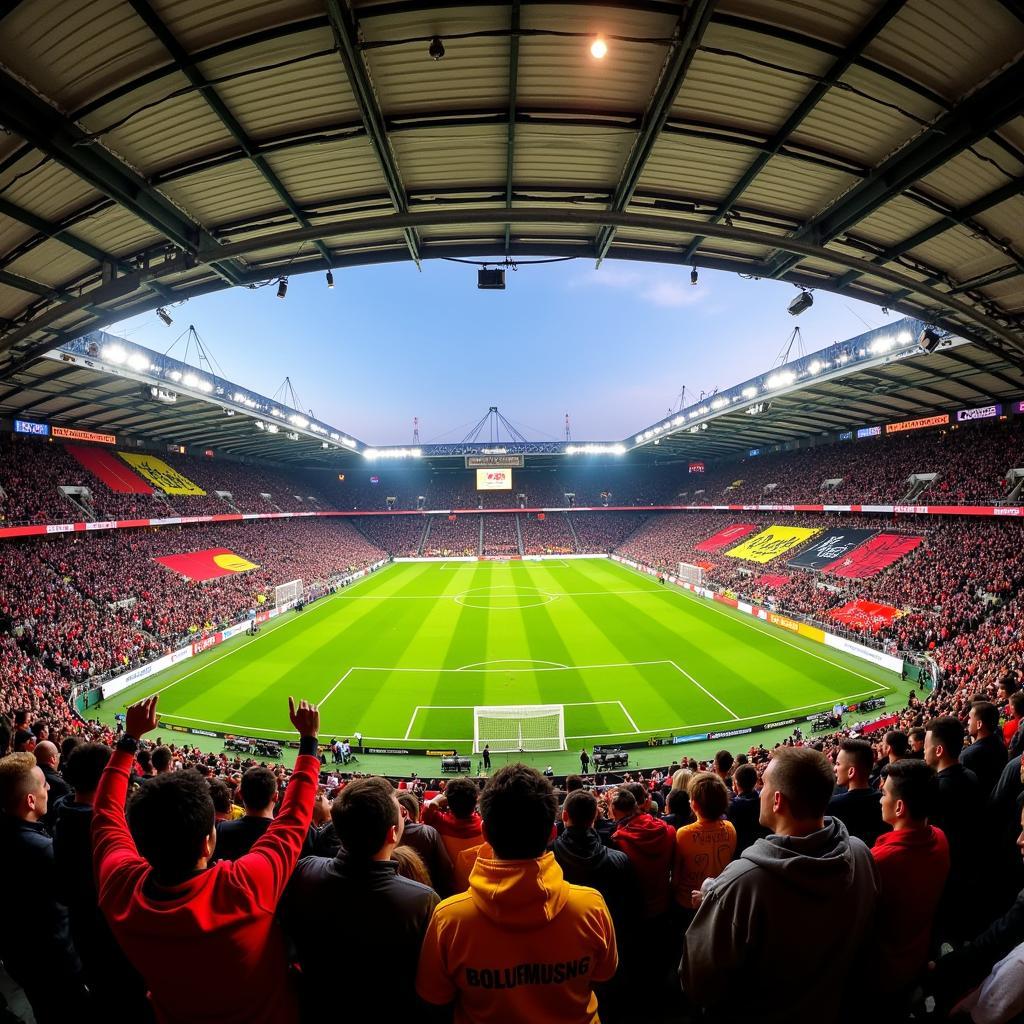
x=504, y=598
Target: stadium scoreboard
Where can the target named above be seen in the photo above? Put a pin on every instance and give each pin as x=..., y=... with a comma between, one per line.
x=494, y=479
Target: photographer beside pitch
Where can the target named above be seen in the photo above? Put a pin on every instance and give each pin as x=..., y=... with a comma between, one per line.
x=186, y=925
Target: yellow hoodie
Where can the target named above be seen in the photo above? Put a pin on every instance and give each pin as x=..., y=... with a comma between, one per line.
x=521, y=944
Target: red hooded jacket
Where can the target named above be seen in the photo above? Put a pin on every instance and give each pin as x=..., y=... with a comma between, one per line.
x=209, y=949
x=457, y=834
x=650, y=844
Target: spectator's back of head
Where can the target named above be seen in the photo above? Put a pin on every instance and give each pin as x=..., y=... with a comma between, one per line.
x=624, y=803
x=85, y=766
x=410, y=802
x=915, y=784
x=745, y=778
x=724, y=762
x=572, y=783
x=220, y=794
x=410, y=865
x=67, y=745
x=580, y=809
x=803, y=778
x=681, y=779
x=709, y=796
x=859, y=756
x=678, y=804
x=171, y=818
x=19, y=777
x=462, y=796
x=46, y=753
x=518, y=808
x=161, y=758
x=898, y=743
x=1017, y=703
x=640, y=794
x=259, y=789
x=366, y=817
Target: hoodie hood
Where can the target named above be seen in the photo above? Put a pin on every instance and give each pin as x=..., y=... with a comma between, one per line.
x=814, y=864
x=580, y=850
x=645, y=837
x=519, y=894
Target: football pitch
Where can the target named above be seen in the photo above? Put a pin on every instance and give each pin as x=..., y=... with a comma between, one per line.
x=404, y=656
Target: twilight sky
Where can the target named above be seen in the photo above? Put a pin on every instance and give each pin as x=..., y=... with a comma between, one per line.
x=612, y=347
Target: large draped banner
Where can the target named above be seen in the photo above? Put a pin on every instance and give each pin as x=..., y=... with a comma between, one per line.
x=207, y=565
x=874, y=555
x=830, y=548
x=771, y=543
x=730, y=535
x=866, y=615
x=159, y=474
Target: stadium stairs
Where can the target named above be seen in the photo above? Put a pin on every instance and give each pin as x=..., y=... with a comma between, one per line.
x=425, y=536
x=577, y=546
x=519, y=537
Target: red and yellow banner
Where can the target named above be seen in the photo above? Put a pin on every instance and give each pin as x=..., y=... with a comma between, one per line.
x=771, y=543
x=207, y=565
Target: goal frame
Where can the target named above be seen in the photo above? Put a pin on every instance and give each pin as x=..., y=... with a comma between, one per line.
x=291, y=592
x=690, y=573
x=519, y=742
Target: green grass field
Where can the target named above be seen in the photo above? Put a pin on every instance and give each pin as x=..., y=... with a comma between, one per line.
x=404, y=655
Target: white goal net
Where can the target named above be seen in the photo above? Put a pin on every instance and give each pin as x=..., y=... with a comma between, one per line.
x=513, y=728
x=690, y=573
x=287, y=594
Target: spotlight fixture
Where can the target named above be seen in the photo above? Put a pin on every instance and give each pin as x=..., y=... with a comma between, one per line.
x=282, y=287
x=436, y=48
x=801, y=303
x=330, y=279
x=929, y=339
x=694, y=276
x=164, y=315
x=598, y=49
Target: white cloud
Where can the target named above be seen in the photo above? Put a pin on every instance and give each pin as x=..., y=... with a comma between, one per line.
x=667, y=290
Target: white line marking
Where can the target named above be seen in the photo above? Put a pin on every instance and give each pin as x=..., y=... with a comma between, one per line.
x=704, y=689
x=629, y=717
x=466, y=668
x=415, y=712
x=511, y=661
x=333, y=688
x=510, y=586
x=752, y=622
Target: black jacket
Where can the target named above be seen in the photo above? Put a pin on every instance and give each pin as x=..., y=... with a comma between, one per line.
x=745, y=814
x=59, y=789
x=35, y=945
x=585, y=860
x=860, y=810
x=107, y=971
x=427, y=842
x=236, y=838
x=986, y=758
x=963, y=816
x=379, y=918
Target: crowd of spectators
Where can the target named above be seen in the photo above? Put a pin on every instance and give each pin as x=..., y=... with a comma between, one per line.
x=547, y=533
x=453, y=536
x=500, y=537
x=398, y=535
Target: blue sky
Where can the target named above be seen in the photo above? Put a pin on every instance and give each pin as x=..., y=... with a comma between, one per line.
x=612, y=347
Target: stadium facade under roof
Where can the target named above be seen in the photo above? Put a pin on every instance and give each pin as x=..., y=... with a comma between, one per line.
x=157, y=150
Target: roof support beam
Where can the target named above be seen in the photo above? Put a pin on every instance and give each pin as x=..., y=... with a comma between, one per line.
x=693, y=23
x=983, y=112
x=818, y=91
x=958, y=357
x=510, y=137
x=45, y=128
x=220, y=108
x=346, y=34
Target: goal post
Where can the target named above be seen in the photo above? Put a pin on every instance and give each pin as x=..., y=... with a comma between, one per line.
x=515, y=728
x=690, y=573
x=287, y=594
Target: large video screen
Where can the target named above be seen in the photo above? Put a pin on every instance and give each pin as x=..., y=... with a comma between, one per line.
x=494, y=479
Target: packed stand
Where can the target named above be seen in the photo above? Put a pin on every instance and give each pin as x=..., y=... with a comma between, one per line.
x=500, y=536
x=603, y=532
x=547, y=533
x=397, y=535
x=453, y=536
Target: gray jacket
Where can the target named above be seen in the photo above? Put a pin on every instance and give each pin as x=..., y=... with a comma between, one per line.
x=781, y=929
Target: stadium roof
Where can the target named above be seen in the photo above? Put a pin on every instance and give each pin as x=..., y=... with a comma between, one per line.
x=157, y=150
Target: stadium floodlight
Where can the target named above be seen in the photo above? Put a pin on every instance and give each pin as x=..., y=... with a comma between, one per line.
x=801, y=303
x=490, y=278
x=781, y=379
x=694, y=276
x=929, y=339
x=272, y=428
x=595, y=449
x=114, y=354
x=164, y=315
x=599, y=49
x=750, y=392
x=436, y=49
x=330, y=279
x=815, y=368
x=138, y=362
x=282, y=287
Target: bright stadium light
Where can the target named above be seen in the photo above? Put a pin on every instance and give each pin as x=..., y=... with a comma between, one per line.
x=815, y=368
x=595, y=449
x=138, y=362
x=599, y=49
x=114, y=354
x=781, y=379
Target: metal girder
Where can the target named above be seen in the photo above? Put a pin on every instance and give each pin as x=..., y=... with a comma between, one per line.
x=52, y=134
x=346, y=34
x=220, y=108
x=510, y=137
x=867, y=35
x=985, y=110
x=958, y=357
x=928, y=389
x=947, y=221
x=693, y=23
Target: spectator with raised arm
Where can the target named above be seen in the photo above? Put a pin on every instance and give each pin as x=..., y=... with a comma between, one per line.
x=185, y=924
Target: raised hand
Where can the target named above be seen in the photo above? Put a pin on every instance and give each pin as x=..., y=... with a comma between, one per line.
x=305, y=717
x=141, y=717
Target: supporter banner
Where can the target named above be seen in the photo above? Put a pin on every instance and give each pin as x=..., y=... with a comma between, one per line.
x=111, y=470
x=888, y=722
x=865, y=615
x=771, y=579
x=918, y=424
x=771, y=543
x=207, y=565
x=729, y=535
x=160, y=475
x=873, y=556
x=829, y=548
